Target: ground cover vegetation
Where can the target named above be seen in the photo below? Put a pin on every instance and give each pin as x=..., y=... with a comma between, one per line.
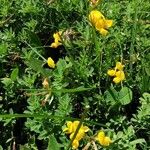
x=74, y=74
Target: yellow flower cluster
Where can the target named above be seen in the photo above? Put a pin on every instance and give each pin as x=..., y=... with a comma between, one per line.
x=57, y=39
x=99, y=22
x=117, y=73
x=103, y=140
x=71, y=128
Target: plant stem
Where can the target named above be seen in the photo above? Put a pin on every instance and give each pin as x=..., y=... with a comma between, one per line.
x=36, y=52
x=133, y=36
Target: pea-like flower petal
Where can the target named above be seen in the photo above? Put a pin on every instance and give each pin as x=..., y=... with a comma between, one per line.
x=119, y=66
x=95, y=16
x=79, y=135
x=116, y=80
x=103, y=140
x=101, y=135
x=69, y=128
x=85, y=128
x=108, y=23
x=55, y=44
x=111, y=72
x=120, y=74
x=57, y=40
x=51, y=62
x=106, y=141
x=75, y=144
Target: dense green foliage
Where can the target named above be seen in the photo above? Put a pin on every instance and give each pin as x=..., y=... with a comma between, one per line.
x=32, y=116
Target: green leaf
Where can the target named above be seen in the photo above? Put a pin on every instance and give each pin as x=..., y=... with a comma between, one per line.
x=3, y=49
x=53, y=144
x=14, y=74
x=125, y=96
x=64, y=107
x=147, y=70
x=111, y=96
x=36, y=65
x=35, y=41
x=138, y=141
x=1, y=148
x=6, y=81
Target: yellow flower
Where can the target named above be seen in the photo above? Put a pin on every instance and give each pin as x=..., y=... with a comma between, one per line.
x=107, y=141
x=50, y=62
x=103, y=140
x=116, y=80
x=57, y=40
x=75, y=144
x=98, y=20
x=119, y=66
x=94, y=16
x=102, y=25
x=120, y=76
x=118, y=73
x=79, y=136
x=75, y=125
x=111, y=72
x=71, y=128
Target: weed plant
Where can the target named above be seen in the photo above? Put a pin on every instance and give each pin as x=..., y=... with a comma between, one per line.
x=74, y=74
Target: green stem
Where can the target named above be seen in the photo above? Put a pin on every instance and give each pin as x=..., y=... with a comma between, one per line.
x=99, y=56
x=133, y=36
x=82, y=89
x=36, y=52
x=11, y=116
